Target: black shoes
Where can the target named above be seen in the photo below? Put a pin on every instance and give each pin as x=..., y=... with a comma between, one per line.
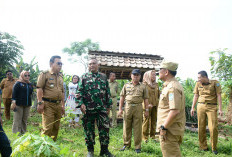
x=106, y=154
x=138, y=150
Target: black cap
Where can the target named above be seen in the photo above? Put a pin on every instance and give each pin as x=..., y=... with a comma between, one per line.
x=136, y=71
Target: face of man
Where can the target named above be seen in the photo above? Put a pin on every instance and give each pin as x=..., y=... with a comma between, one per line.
x=57, y=65
x=112, y=77
x=9, y=75
x=93, y=66
x=202, y=79
x=163, y=74
x=135, y=78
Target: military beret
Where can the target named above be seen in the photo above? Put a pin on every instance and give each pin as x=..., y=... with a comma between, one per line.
x=136, y=71
x=169, y=65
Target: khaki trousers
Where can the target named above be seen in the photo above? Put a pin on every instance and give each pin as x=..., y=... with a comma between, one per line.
x=20, y=119
x=171, y=146
x=7, y=104
x=133, y=116
x=114, y=112
x=149, y=124
x=209, y=111
x=51, y=119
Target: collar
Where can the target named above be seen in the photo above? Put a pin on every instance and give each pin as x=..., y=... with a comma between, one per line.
x=52, y=73
x=111, y=82
x=210, y=81
x=10, y=80
x=136, y=84
x=93, y=73
x=168, y=81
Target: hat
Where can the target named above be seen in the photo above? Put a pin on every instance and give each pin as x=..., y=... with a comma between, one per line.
x=136, y=71
x=169, y=65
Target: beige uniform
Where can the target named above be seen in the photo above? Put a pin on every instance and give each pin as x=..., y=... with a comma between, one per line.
x=133, y=112
x=7, y=88
x=172, y=98
x=149, y=123
x=53, y=90
x=207, y=107
x=113, y=91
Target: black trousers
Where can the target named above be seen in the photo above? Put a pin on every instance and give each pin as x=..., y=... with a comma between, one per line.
x=5, y=148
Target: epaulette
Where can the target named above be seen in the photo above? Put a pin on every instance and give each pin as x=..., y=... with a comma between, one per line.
x=44, y=72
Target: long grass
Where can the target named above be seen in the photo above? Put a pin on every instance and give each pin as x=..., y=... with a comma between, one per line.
x=73, y=139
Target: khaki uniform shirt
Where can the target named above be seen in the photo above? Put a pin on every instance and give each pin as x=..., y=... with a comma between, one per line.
x=52, y=85
x=113, y=88
x=7, y=87
x=208, y=93
x=153, y=95
x=134, y=94
x=171, y=98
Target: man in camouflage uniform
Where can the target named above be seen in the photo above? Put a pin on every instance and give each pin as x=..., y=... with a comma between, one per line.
x=95, y=103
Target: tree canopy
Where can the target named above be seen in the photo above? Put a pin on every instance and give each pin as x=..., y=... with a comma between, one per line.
x=80, y=50
x=11, y=49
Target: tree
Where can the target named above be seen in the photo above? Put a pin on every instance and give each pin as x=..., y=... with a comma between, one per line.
x=80, y=50
x=32, y=67
x=221, y=67
x=11, y=49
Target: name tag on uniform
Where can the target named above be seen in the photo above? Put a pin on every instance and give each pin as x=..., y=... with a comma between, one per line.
x=51, y=78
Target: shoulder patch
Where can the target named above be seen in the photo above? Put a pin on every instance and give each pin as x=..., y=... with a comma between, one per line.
x=217, y=84
x=171, y=96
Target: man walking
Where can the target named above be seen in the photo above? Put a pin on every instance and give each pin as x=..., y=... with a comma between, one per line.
x=7, y=86
x=171, y=111
x=135, y=93
x=208, y=94
x=95, y=103
x=50, y=95
x=113, y=91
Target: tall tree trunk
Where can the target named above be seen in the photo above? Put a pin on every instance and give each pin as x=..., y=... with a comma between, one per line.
x=229, y=113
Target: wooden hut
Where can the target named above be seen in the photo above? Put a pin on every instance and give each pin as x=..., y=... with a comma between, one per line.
x=123, y=63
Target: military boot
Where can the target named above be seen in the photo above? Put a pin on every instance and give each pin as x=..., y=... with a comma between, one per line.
x=105, y=151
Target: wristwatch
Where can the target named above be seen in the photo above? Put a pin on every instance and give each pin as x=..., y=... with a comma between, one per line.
x=163, y=128
x=40, y=102
x=147, y=109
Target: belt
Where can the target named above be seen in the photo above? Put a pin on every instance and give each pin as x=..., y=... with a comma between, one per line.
x=113, y=96
x=208, y=103
x=133, y=104
x=53, y=101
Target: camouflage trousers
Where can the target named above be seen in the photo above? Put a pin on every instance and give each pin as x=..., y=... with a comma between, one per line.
x=88, y=122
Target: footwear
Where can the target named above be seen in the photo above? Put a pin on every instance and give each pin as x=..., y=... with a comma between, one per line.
x=105, y=151
x=215, y=152
x=107, y=154
x=146, y=141
x=207, y=149
x=123, y=148
x=138, y=150
x=90, y=154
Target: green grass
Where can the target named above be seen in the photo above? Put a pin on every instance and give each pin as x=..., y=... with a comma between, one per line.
x=73, y=138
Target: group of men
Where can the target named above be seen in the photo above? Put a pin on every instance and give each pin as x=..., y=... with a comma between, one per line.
x=96, y=94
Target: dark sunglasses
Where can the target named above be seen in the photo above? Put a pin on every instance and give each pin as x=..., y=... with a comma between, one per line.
x=9, y=74
x=59, y=63
x=26, y=75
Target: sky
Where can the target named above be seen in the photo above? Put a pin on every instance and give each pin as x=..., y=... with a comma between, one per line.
x=183, y=31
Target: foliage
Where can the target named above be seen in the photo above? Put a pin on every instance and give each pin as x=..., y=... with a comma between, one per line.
x=32, y=67
x=188, y=86
x=10, y=50
x=221, y=67
x=35, y=145
x=80, y=50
